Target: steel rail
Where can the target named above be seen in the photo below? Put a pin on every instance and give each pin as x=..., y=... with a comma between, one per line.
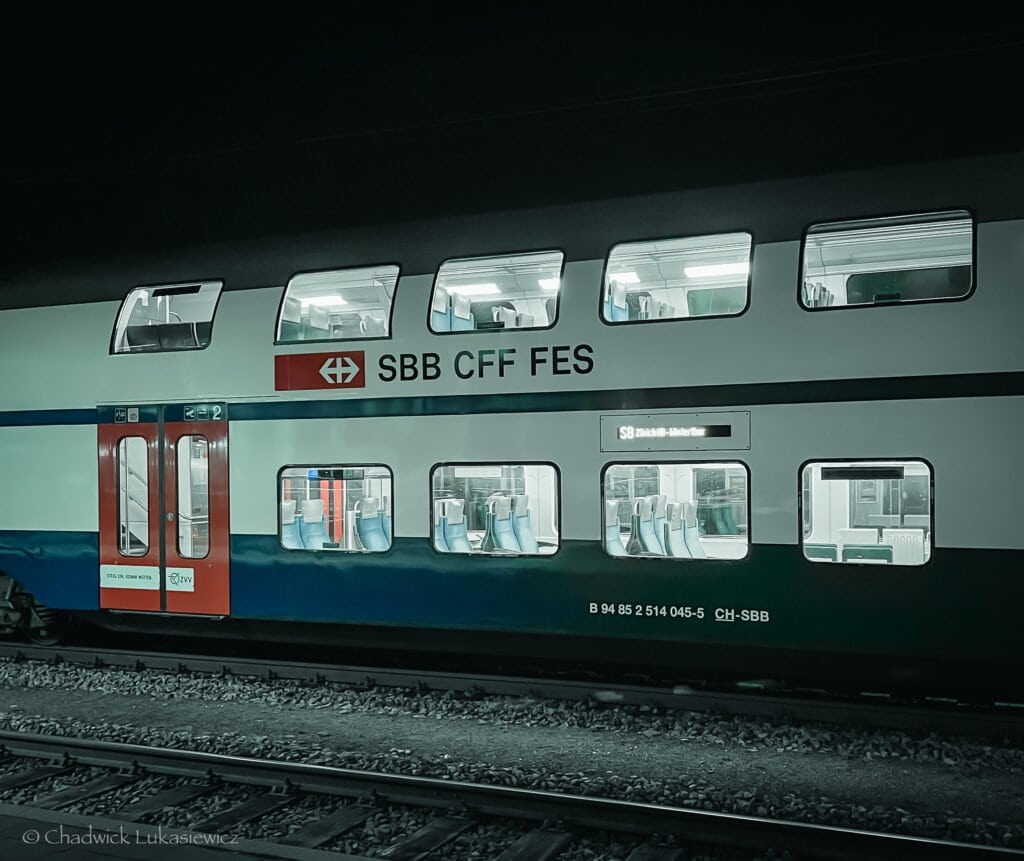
x=693, y=826
x=947, y=718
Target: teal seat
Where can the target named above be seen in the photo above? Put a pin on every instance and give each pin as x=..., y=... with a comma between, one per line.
x=821, y=551
x=716, y=300
x=853, y=552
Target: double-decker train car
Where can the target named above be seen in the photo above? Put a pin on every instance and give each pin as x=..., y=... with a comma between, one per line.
x=769, y=430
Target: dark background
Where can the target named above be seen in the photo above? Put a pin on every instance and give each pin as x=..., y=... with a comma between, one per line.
x=156, y=132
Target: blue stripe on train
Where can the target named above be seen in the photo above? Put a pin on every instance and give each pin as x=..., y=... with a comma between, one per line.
x=963, y=604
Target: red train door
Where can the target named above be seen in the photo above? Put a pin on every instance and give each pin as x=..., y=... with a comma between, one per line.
x=164, y=527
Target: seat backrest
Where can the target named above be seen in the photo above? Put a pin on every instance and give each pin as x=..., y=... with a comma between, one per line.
x=874, y=553
x=291, y=320
x=314, y=530
x=440, y=542
x=521, y=524
x=728, y=521
x=658, y=503
x=524, y=321
x=290, y=537
x=859, y=535
x=440, y=311
x=615, y=306
x=369, y=525
x=371, y=327
x=499, y=509
x=666, y=311
x=385, y=518
x=612, y=533
x=691, y=532
x=505, y=316
x=883, y=520
x=918, y=520
x=319, y=322
x=675, y=544
x=648, y=538
x=907, y=545
x=462, y=314
x=456, y=528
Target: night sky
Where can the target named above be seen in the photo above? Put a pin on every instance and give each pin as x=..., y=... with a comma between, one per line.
x=144, y=134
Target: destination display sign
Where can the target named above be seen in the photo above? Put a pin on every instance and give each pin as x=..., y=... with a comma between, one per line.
x=710, y=431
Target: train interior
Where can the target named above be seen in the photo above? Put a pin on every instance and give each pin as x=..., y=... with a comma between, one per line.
x=877, y=512
x=518, y=291
x=338, y=305
x=336, y=508
x=173, y=317
x=133, y=496
x=903, y=259
x=677, y=278
x=676, y=510
x=495, y=509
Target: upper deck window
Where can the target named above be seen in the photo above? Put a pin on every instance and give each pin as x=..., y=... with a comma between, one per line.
x=911, y=258
x=169, y=317
x=514, y=291
x=673, y=279
x=338, y=305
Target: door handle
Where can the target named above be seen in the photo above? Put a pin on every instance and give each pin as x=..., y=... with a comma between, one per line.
x=170, y=517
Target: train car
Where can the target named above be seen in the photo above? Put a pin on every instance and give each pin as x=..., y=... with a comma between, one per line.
x=759, y=431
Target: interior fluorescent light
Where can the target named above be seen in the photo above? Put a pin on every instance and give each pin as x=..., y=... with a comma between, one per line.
x=474, y=289
x=325, y=301
x=549, y=283
x=624, y=277
x=712, y=270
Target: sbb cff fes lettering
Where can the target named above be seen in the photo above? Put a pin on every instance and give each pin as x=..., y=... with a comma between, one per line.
x=486, y=364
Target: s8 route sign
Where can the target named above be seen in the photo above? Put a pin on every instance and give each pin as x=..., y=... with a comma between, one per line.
x=320, y=371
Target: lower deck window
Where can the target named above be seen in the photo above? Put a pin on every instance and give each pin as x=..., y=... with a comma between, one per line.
x=676, y=510
x=340, y=508
x=867, y=512
x=495, y=509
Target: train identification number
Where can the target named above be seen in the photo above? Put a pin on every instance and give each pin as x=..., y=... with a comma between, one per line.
x=678, y=611
x=673, y=611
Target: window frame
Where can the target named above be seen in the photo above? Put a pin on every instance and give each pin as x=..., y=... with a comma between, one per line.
x=112, y=351
x=480, y=554
x=334, y=551
x=391, y=311
x=876, y=218
x=687, y=319
x=702, y=464
x=521, y=252
x=864, y=460
x=191, y=435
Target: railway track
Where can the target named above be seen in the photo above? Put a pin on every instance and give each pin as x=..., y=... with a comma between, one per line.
x=1003, y=720
x=539, y=825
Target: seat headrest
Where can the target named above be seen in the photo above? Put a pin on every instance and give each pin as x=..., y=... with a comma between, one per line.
x=461, y=307
x=643, y=507
x=292, y=310
x=658, y=503
x=312, y=510
x=439, y=302
x=438, y=511
x=318, y=317
x=674, y=515
x=520, y=504
x=368, y=506
x=454, y=510
x=500, y=507
x=287, y=510
x=371, y=326
x=611, y=511
x=690, y=514
x=618, y=294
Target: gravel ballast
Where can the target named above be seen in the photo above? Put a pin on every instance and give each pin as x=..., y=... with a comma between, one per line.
x=953, y=788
